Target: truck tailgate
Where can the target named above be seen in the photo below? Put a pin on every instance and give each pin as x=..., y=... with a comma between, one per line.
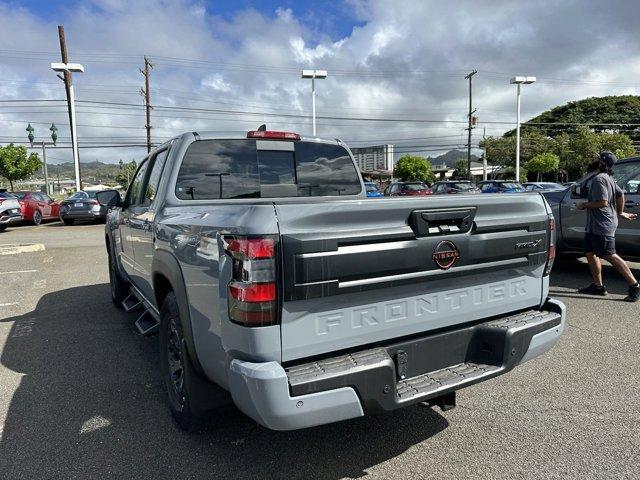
x=359, y=272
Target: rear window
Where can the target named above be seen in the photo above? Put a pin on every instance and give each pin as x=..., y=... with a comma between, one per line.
x=414, y=187
x=236, y=169
x=7, y=195
x=463, y=186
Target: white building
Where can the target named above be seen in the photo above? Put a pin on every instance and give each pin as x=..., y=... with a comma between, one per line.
x=374, y=158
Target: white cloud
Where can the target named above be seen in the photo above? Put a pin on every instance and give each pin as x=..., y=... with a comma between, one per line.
x=402, y=63
x=216, y=82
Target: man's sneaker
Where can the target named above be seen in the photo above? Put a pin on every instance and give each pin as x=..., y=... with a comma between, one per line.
x=594, y=289
x=633, y=294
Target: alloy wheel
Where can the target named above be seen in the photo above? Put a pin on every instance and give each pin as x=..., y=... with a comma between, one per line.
x=174, y=358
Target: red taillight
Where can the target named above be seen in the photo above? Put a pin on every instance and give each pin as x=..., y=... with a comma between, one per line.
x=551, y=253
x=273, y=135
x=252, y=293
x=249, y=248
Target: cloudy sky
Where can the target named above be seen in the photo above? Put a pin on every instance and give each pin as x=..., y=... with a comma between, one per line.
x=396, y=68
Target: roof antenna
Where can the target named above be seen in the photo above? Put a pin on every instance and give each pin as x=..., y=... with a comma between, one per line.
x=262, y=128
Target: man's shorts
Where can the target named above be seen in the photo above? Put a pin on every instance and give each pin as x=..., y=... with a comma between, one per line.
x=601, y=245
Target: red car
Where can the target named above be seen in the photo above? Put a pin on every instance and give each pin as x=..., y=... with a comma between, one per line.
x=36, y=206
x=407, y=189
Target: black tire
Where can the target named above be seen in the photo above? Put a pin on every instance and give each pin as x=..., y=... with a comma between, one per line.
x=37, y=217
x=173, y=358
x=68, y=221
x=117, y=284
x=3, y=228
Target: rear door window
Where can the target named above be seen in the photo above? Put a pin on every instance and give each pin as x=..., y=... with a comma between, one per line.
x=236, y=169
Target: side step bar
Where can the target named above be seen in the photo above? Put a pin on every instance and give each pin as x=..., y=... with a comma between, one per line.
x=148, y=323
x=131, y=303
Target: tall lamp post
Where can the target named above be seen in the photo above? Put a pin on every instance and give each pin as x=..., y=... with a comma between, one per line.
x=519, y=81
x=44, y=145
x=72, y=68
x=313, y=74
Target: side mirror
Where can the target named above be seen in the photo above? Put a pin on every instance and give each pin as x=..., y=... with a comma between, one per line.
x=577, y=191
x=109, y=198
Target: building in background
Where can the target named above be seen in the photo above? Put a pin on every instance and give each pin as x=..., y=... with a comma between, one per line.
x=372, y=159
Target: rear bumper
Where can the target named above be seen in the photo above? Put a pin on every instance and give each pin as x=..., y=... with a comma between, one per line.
x=392, y=376
x=83, y=214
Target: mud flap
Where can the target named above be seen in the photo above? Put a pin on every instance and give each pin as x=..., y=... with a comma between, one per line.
x=204, y=395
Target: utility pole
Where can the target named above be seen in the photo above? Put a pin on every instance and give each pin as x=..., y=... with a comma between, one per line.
x=147, y=98
x=68, y=87
x=469, y=76
x=484, y=156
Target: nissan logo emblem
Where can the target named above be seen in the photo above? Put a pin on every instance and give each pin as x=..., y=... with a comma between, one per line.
x=445, y=254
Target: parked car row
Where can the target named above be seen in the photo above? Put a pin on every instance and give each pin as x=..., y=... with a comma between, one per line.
x=396, y=189
x=37, y=207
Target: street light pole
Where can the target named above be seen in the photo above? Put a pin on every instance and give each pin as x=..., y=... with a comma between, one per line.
x=43, y=144
x=70, y=68
x=519, y=81
x=313, y=74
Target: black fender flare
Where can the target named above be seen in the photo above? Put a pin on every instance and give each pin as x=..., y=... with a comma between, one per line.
x=167, y=265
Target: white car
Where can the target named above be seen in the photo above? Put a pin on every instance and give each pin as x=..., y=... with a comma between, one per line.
x=9, y=210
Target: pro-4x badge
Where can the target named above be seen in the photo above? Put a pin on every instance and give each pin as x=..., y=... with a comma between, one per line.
x=445, y=254
x=532, y=244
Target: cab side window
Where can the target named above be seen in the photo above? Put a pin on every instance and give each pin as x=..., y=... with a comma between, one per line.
x=154, y=178
x=135, y=188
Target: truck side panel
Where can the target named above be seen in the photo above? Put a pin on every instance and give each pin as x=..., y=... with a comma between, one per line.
x=191, y=235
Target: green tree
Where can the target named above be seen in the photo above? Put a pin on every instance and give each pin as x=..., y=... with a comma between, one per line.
x=543, y=163
x=502, y=150
x=412, y=167
x=126, y=173
x=16, y=165
x=618, y=143
x=460, y=171
x=620, y=114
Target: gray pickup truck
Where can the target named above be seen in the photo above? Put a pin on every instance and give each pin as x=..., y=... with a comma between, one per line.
x=273, y=281
x=570, y=222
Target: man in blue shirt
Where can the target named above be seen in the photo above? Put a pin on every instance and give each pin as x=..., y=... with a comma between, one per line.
x=605, y=205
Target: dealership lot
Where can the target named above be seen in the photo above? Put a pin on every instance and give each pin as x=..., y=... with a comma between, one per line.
x=80, y=396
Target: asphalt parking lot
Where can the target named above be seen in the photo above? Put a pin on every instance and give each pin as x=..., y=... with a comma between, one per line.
x=80, y=395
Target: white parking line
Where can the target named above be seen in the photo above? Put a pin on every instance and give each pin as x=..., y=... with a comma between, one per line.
x=18, y=271
x=8, y=304
x=9, y=249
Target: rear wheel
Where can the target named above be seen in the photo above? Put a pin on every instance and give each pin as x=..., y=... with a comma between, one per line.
x=3, y=228
x=68, y=221
x=37, y=217
x=173, y=358
x=117, y=284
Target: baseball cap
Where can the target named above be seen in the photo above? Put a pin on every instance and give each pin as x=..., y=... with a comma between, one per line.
x=608, y=158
